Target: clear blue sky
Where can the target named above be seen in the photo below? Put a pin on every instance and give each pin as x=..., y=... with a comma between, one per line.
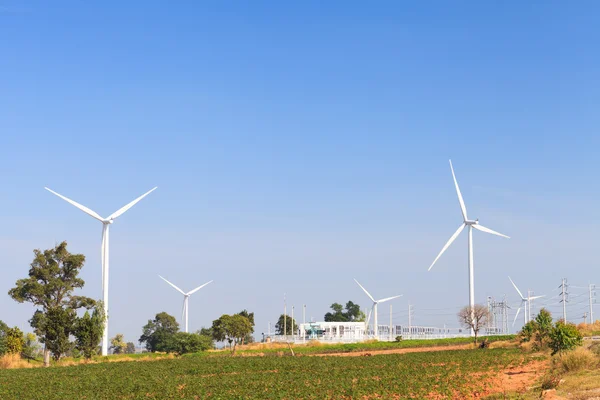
x=296, y=147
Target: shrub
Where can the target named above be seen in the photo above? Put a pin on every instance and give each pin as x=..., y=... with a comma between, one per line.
x=528, y=331
x=398, y=338
x=550, y=381
x=564, y=336
x=575, y=360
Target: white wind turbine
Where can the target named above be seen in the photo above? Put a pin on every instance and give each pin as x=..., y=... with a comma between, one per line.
x=525, y=304
x=186, y=298
x=106, y=222
x=374, y=309
x=471, y=224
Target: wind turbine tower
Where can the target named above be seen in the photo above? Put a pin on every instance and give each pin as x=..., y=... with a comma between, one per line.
x=472, y=224
x=106, y=223
x=374, y=309
x=186, y=299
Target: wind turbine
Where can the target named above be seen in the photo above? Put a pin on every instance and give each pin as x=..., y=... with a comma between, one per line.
x=106, y=222
x=472, y=224
x=374, y=309
x=525, y=302
x=186, y=298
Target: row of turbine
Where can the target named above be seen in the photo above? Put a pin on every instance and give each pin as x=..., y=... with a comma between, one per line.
x=106, y=222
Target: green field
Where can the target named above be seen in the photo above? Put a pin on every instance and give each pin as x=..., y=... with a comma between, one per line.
x=417, y=375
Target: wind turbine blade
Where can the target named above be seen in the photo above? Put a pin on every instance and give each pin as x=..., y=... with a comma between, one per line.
x=103, y=250
x=198, y=288
x=458, y=231
x=369, y=317
x=128, y=206
x=488, y=230
x=520, y=294
x=460, y=199
x=179, y=290
x=536, y=297
x=516, y=316
x=388, y=298
x=76, y=204
x=365, y=290
x=183, y=311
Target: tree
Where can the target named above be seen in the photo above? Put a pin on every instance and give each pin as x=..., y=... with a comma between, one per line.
x=130, y=348
x=564, y=336
x=184, y=342
x=250, y=315
x=231, y=328
x=543, y=327
x=158, y=333
x=117, y=344
x=3, y=329
x=88, y=331
x=53, y=276
x=279, y=326
x=31, y=347
x=14, y=341
x=473, y=318
x=352, y=313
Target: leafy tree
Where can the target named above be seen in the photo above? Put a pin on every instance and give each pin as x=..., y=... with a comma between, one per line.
x=31, y=347
x=130, y=348
x=117, y=344
x=351, y=313
x=3, y=329
x=231, y=328
x=14, y=341
x=183, y=342
x=250, y=315
x=474, y=318
x=88, y=331
x=543, y=327
x=158, y=333
x=53, y=276
x=279, y=326
x=528, y=331
x=564, y=336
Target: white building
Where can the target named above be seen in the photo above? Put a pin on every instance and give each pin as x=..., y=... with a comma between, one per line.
x=333, y=331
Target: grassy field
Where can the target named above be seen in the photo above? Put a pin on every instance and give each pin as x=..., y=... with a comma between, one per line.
x=319, y=348
x=447, y=374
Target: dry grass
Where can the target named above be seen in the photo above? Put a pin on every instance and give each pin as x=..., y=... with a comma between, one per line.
x=575, y=360
x=505, y=344
x=589, y=329
x=10, y=361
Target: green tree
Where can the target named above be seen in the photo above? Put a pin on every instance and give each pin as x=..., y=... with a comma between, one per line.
x=31, y=347
x=183, y=342
x=564, y=336
x=117, y=344
x=130, y=348
x=14, y=341
x=250, y=315
x=543, y=328
x=158, y=333
x=53, y=276
x=88, y=331
x=232, y=329
x=3, y=329
x=279, y=326
x=351, y=313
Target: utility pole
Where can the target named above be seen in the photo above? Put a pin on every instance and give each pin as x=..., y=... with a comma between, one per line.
x=391, y=323
x=292, y=323
x=304, y=323
x=592, y=287
x=409, y=320
x=564, y=293
x=284, y=318
x=269, y=329
x=585, y=317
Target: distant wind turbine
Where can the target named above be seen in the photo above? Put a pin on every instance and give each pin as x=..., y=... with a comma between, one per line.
x=471, y=224
x=374, y=309
x=525, y=304
x=186, y=298
x=106, y=222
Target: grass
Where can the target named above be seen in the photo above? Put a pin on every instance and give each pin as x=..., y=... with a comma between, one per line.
x=322, y=348
x=450, y=374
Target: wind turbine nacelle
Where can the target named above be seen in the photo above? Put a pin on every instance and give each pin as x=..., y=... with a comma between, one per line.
x=108, y=221
x=470, y=222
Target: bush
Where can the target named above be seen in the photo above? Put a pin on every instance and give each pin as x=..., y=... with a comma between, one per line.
x=183, y=342
x=575, y=360
x=528, y=331
x=564, y=336
x=398, y=338
x=550, y=381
